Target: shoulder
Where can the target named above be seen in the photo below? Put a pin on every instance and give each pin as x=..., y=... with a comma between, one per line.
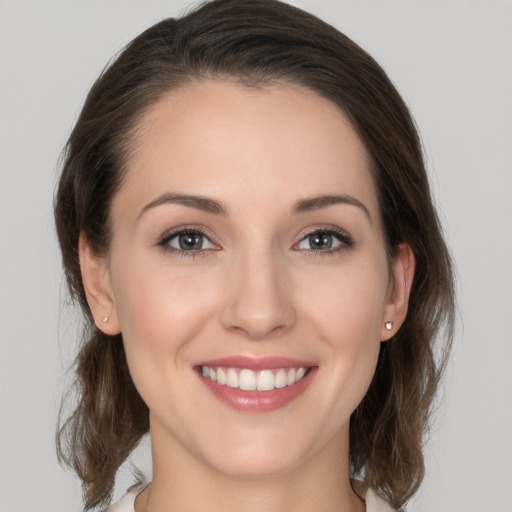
x=376, y=504
x=127, y=502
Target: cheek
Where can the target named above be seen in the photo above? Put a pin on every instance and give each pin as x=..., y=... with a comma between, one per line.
x=347, y=311
x=349, y=301
x=159, y=311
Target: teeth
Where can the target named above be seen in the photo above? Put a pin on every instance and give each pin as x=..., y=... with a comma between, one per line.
x=265, y=381
x=280, y=379
x=248, y=380
x=232, y=378
x=221, y=376
x=290, y=378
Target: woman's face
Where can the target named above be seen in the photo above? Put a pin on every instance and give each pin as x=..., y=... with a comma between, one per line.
x=247, y=244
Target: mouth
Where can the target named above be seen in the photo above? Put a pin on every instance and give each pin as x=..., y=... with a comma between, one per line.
x=250, y=380
x=256, y=384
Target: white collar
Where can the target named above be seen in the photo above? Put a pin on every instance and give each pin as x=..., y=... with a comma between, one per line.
x=374, y=503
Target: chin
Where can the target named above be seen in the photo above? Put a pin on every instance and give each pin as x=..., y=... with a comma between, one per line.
x=253, y=466
x=256, y=453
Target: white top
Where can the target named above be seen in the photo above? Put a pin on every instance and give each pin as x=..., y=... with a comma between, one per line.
x=127, y=503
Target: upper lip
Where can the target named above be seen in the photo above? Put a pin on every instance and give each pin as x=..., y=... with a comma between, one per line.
x=257, y=363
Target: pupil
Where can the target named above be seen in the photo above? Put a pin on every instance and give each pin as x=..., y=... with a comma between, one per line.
x=320, y=241
x=190, y=241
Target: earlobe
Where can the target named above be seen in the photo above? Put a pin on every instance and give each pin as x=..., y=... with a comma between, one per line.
x=401, y=278
x=98, y=290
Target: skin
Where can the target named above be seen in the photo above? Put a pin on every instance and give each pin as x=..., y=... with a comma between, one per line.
x=255, y=289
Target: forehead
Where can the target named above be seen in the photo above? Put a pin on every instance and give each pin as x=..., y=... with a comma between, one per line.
x=233, y=142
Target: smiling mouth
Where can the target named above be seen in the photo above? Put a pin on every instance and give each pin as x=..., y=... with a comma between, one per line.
x=249, y=380
x=256, y=384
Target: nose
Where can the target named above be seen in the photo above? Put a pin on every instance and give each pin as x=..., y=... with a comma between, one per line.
x=259, y=301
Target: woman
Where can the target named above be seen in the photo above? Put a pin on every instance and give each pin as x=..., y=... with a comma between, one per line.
x=245, y=219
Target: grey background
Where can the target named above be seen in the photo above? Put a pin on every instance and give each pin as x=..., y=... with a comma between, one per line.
x=451, y=60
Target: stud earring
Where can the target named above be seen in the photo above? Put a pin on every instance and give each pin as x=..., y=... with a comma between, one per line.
x=104, y=319
x=389, y=325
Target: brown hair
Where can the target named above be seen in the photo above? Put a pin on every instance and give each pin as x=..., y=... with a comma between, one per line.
x=257, y=42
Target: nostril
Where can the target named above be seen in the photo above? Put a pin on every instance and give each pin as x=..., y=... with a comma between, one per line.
x=259, y=332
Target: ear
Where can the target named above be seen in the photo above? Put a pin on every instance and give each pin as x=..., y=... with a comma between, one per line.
x=98, y=289
x=400, y=282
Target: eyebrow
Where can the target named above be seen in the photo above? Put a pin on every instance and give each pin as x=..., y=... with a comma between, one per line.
x=215, y=207
x=323, y=201
x=205, y=204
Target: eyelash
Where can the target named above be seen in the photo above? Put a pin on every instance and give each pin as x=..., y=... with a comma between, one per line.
x=342, y=236
x=346, y=241
x=167, y=237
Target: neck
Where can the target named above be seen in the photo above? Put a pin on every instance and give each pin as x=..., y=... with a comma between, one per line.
x=182, y=483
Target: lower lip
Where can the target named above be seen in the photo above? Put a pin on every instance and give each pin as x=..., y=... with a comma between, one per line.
x=258, y=401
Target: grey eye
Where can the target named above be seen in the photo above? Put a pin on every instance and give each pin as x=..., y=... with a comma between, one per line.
x=320, y=241
x=190, y=241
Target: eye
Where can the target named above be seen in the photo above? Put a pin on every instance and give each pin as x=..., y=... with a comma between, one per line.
x=188, y=241
x=325, y=240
